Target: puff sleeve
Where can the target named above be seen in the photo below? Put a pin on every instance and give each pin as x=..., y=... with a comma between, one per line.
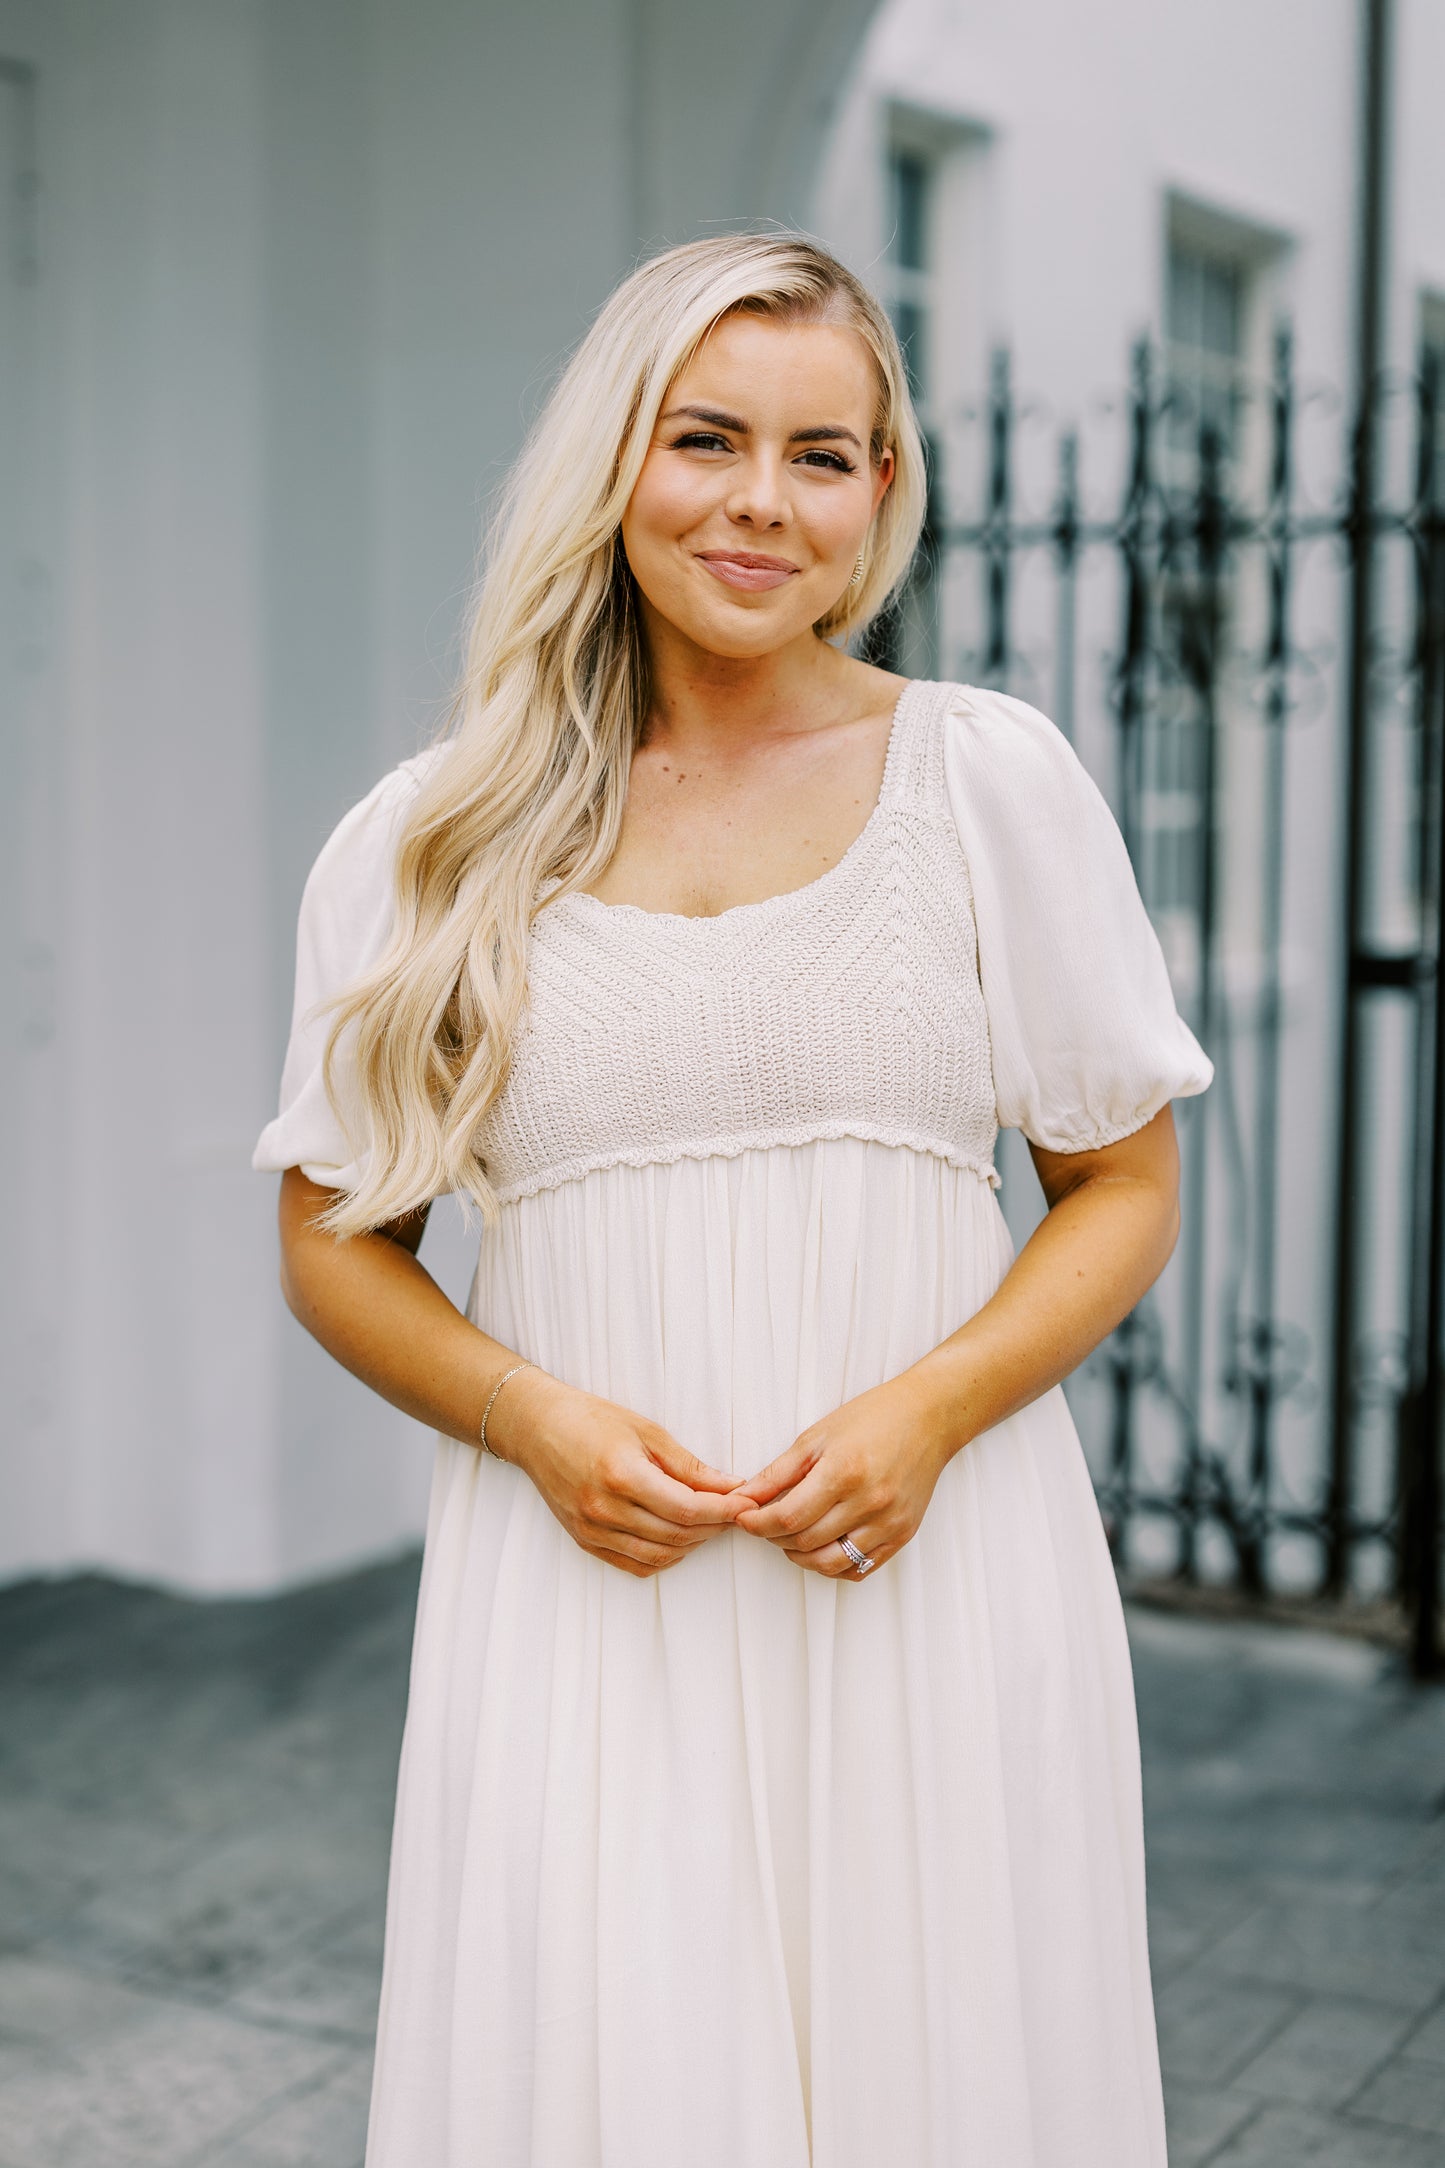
x=1086, y=1041
x=346, y=911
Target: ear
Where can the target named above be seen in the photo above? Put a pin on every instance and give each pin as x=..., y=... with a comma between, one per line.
x=887, y=467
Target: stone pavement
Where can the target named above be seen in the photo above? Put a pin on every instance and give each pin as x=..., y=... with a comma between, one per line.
x=194, y=1809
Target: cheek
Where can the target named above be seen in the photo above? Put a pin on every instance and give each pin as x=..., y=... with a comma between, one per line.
x=834, y=519
x=668, y=502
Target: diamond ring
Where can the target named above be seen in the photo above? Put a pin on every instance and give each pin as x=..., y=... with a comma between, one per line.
x=864, y=1565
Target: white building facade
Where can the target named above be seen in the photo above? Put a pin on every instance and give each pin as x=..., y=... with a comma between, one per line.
x=279, y=287
x=1060, y=183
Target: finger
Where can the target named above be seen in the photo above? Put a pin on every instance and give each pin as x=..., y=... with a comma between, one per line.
x=833, y=1561
x=796, y=1509
x=619, y=1559
x=640, y=1482
x=841, y=1519
x=683, y=1466
x=634, y=1556
x=621, y=1516
x=780, y=1474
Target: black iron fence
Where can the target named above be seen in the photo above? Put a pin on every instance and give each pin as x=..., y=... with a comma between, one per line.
x=1248, y=646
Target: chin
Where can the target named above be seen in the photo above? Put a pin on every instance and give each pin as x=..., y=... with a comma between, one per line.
x=742, y=641
x=743, y=631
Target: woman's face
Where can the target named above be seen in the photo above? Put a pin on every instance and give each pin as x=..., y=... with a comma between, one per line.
x=757, y=489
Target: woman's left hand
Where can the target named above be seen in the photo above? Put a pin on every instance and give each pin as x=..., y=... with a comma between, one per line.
x=866, y=1471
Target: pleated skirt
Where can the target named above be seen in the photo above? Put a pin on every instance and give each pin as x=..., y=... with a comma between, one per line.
x=738, y=1866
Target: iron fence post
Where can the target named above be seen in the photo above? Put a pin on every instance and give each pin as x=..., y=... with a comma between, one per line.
x=1135, y=532
x=1263, y=1379
x=1360, y=529
x=1134, y=552
x=1419, y=1476
x=1066, y=557
x=998, y=540
x=1206, y=525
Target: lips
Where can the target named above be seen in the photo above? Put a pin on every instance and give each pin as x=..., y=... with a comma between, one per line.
x=747, y=569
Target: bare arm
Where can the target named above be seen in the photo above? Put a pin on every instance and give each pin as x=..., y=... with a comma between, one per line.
x=869, y=1469
x=620, y=1485
x=373, y=1305
x=1110, y=1229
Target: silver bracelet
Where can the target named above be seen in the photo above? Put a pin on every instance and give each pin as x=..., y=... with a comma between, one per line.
x=482, y=1433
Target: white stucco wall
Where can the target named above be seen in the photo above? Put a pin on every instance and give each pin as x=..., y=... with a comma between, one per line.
x=303, y=272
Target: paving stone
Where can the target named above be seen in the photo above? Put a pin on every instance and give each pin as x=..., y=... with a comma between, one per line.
x=1296, y=2138
x=55, y=1859
x=1410, y=2090
x=1350, y=1950
x=1326, y=2051
x=1428, y=2038
x=124, y=2078
x=43, y=2002
x=326, y=2124
x=330, y=1988
x=1187, y=1918
x=1282, y=1850
x=1198, y=2119
x=1427, y=1863
x=226, y=1918
x=1175, y=1940
x=1210, y=2028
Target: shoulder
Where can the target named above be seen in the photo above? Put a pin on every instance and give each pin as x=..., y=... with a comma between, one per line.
x=1005, y=759
x=1003, y=732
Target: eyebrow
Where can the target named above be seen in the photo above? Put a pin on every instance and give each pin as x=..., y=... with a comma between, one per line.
x=823, y=433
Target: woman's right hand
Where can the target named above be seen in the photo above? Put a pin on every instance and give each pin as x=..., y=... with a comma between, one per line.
x=622, y=1487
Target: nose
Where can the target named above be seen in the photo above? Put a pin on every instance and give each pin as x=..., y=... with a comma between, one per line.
x=759, y=495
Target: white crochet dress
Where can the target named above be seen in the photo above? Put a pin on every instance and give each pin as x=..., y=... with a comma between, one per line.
x=741, y=1867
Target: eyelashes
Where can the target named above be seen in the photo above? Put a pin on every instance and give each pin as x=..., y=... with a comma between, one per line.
x=835, y=460
x=707, y=440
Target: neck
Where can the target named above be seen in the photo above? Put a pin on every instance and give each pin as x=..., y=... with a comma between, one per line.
x=700, y=700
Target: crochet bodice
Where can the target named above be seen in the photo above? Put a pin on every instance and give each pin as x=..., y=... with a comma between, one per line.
x=850, y=1007
x=981, y=955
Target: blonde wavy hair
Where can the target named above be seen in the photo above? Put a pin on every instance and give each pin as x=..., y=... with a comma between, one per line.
x=526, y=799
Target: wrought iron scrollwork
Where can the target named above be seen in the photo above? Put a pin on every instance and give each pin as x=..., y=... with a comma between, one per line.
x=1209, y=671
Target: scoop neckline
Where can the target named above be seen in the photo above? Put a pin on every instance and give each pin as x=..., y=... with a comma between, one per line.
x=783, y=895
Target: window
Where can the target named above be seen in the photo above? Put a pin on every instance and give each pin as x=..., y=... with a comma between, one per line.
x=1205, y=351
x=1219, y=280
x=1206, y=306
x=928, y=236
x=910, y=263
x=1222, y=287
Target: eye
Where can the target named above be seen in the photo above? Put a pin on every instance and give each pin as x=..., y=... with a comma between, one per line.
x=701, y=440
x=835, y=460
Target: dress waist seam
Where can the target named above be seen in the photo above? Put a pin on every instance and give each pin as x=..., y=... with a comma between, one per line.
x=563, y=1172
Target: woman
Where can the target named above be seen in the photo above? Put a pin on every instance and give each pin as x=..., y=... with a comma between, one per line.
x=770, y=1786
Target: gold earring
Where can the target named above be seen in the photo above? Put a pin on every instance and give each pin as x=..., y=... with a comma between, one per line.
x=858, y=568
